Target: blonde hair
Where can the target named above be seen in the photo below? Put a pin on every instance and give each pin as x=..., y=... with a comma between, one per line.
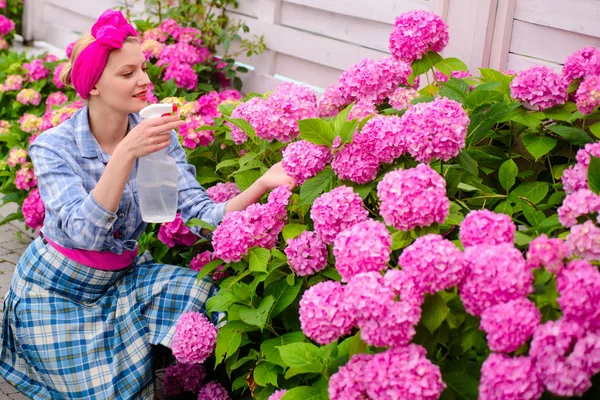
x=81, y=44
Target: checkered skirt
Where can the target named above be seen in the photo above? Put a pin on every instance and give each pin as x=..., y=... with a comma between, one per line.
x=73, y=332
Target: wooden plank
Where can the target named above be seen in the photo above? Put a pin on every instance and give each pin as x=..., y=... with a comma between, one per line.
x=550, y=44
x=503, y=28
x=56, y=16
x=308, y=46
x=246, y=7
x=259, y=83
x=90, y=9
x=309, y=72
x=383, y=11
x=518, y=62
x=579, y=16
x=368, y=33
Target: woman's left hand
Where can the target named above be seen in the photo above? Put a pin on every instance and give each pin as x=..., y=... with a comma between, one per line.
x=275, y=177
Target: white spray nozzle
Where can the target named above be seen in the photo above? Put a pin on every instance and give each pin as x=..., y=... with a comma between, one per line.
x=158, y=110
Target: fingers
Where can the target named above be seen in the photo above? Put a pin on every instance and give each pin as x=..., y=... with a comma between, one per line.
x=162, y=120
x=167, y=127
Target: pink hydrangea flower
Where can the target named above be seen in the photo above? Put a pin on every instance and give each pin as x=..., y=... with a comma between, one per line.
x=509, y=325
x=6, y=25
x=348, y=382
x=56, y=76
x=233, y=237
x=331, y=102
x=4, y=125
x=213, y=391
x=307, y=254
x=13, y=82
x=30, y=123
x=56, y=99
x=587, y=96
x=581, y=64
x=562, y=374
x=413, y=197
x=17, y=157
x=391, y=375
x=336, y=211
x=362, y=109
x=584, y=241
x=434, y=263
x=3, y=44
x=2, y=3
x=484, y=227
x=590, y=149
x=207, y=105
x=277, y=395
x=387, y=136
x=368, y=297
x=152, y=48
x=229, y=95
x=577, y=204
x=182, y=53
x=33, y=210
x=182, y=377
x=402, y=97
x=25, y=178
x=170, y=27
x=578, y=286
x=322, y=314
x=435, y=130
x=69, y=49
x=185, y=77
x=497, y=274
x=29, y=96
x=417, y=32
x=440, y=76
x=540, y=87
x=150, y=95
x=251, y=111
x=356, y=161
x=36, y=70
x=504, y=377
x=195, y=338
x=223, y=192
x=549, y=253
x=404, y=287
x=200, y=260
x=364, y=247
x=575, y=178
x=303, y=160
x=176, y=233
x=192, y=135
x=189, y=35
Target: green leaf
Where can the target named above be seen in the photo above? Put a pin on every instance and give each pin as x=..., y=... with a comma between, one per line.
x=423, y=65
x=221, y=301
x=298, y=355
x=463, y=384
x=283, y=294
x=534, y=191
x=538, y=146
x=12, y=217
x=507, y=174
x=258, y=317
x=594, y=175
x=266, y=373
x=245, y=127
x=447, y=65
x=199, y=222
x=455, y=89
x=306, y=393
x=560, y=113
x=208, y=268
x=531, y=120
x=504, y=208
x=571, y=134
x=259, y=259
x=316, y=130
x=401, y=239
x=468, y=163
x=595, y=129
x=313, y=187
x=292, y=231
x=434, y=312
x=269, y=350
x=533, y=216
x=229, y=339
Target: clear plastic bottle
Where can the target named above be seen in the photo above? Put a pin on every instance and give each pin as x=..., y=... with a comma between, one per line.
x=157, y=178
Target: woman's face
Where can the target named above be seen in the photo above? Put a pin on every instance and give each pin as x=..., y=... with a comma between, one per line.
x=124, y=83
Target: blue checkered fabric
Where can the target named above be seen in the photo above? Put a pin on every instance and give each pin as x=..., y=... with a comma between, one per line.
x=73, y=332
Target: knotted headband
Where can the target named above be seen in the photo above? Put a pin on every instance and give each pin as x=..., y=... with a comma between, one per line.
x=110, y=31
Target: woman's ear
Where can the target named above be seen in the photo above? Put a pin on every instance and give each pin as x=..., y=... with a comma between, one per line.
x=94, y=91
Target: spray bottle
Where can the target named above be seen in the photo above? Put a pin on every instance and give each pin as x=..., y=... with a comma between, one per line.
x=157, y=178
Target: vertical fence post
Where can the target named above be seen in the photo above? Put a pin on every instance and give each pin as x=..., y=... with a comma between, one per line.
x=31, y=14
x=502, y=34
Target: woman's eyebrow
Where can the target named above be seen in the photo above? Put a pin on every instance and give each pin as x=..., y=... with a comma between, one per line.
x=132, y=65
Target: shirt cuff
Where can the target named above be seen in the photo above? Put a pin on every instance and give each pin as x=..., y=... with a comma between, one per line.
x=216, y=215
x=97, y=214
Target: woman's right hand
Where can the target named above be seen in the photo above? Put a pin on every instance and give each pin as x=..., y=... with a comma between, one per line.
x=149, y=136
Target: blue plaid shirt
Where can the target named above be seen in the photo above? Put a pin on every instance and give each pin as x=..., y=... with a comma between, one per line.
x=68, y=162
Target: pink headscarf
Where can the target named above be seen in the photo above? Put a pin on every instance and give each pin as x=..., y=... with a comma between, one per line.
x=110, y=32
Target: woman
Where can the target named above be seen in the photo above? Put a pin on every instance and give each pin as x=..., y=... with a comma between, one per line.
x=83, y=309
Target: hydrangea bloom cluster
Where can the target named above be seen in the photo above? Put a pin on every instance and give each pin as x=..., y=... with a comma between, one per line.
x=277, y=395
x=29, y=96
x=184, y=75
x=36, y=70
x=413, y=197
x=4, y=125
x=435, y=130
x=509, y=325
x=577, y=204
x=417, y=32
x=223, y=192
x=12, y=82
x=549, y=253
x=364, y=247
x=56, y=99
x=33, y=210
x=233, y=237
x=394, y=374
x=25, y=178
x=356, y=161
x=195, y=338
x=307, y=254
x=587, y=96
x=575, y=177
x=192, y=136
x=303, y=160
x=213, y=391
x=402, y=98
x=182, y=377
x=323, y=316
x=578, y=286
x=540, y=87
x=6, y=25
x=404, y=287
x=485, y=227
x=348, y=383
x=497, y=274
x=56, y=76
x=200, y=260
x=384, y=137
x=152, y=48
x=581, y=64
x=434, y=263
x=504, y=377
x=176, y=233
x=30, y=123
x=17, y=157
x=252, y=111
x=336, y=211
x=584, y=241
